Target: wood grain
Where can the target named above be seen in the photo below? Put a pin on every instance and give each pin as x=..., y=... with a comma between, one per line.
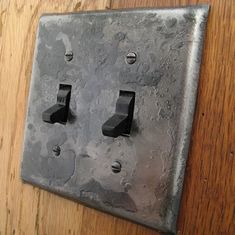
x=208, y=203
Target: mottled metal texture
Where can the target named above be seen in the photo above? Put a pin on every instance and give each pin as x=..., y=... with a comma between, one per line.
x=168, y=44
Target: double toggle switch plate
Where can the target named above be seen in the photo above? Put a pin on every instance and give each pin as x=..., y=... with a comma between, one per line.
x=111, y=107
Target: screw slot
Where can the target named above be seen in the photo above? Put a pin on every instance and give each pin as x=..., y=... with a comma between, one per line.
x=116, y=167
x=56, y=150
x=131, y=58
x=68, y=55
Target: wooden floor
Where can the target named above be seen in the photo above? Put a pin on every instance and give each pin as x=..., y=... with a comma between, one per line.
x=208, y=204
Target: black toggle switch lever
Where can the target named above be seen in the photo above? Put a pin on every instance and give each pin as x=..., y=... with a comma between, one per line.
x=120, y=122
x=59, y=112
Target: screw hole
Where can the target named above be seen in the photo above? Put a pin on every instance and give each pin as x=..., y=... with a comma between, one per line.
x=56, y=150
x=131, y=58
x=116, y=167
x=68, y=55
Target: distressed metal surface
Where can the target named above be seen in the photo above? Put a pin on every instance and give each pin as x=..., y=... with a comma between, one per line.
x=168, y=44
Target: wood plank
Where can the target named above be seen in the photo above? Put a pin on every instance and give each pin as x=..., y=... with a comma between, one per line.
x=208, y=203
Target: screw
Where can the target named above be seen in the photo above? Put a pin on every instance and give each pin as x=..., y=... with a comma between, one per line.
x=68, y=55
x=131, y=58
x=116, y=167
x=56, y=150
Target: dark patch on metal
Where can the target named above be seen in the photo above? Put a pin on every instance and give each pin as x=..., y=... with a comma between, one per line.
x=88, y=51
x=84, y=155
x=53, y=169
x=94, y=191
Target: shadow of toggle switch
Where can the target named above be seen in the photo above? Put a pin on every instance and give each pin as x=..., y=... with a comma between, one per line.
x=59, y=112
x=120, y=123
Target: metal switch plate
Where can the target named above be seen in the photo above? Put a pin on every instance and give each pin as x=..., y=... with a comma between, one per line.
x=155, y=53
